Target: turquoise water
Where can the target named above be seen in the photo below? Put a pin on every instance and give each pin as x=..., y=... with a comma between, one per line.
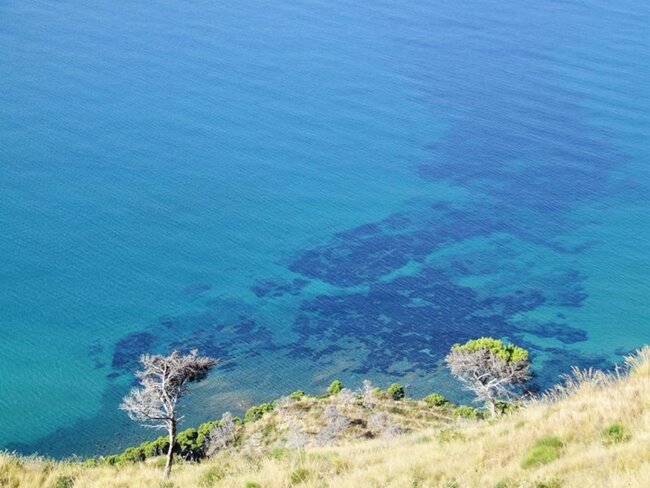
x=311, y=191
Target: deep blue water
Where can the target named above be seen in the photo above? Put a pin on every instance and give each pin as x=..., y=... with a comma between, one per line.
x=311, y=190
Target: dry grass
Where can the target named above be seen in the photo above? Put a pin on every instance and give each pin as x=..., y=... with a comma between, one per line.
x=469, y=454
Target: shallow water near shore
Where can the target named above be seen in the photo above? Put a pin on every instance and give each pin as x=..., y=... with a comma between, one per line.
x=311, y=191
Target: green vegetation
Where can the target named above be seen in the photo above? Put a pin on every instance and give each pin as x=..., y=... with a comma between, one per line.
x=544, y=451
x=64, y=482
x=256, y=412
x=436, y=400
x=190, y=445
x=491, y=369
x=335, y=388
x=376, y=438
x=615, y=434
x=467, y=412
x=396, y=391
x=508, y=352
x=300, y=475
x=297, y=395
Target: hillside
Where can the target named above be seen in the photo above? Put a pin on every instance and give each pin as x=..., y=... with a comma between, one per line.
x=592, y=431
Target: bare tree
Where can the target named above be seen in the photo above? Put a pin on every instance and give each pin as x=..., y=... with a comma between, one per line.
x=163, y=382
x=490, y=369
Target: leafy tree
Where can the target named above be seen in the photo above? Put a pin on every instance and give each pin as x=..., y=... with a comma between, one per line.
x=491, y=369
x=164, y=380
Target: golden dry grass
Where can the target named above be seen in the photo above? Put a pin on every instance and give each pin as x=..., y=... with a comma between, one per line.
x=469, y=454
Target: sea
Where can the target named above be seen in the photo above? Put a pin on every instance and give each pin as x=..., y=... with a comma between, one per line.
x=311, y=190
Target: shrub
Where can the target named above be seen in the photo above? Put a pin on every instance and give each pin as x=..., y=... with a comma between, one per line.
x=300, y=475
x=505, y=408
x=256, y=412
x=615, y=434
x=467, y=412
x=205, y=429
x=335, y=388
x=396, y=391
x=544, y=451
x=189, y=445
x=112, y=460
x=251, y=484
x=297, y=395
x=133, y=455
x=63, y=482
x=155, y=448
x=436, y=400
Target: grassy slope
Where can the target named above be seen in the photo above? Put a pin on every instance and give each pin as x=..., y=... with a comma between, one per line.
x=460, y=454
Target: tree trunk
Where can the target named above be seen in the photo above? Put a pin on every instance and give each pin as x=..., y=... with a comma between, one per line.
x=492, y=408
x=170, y=452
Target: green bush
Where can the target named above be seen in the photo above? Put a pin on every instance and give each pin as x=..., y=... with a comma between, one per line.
x=204, y=430
x=544, y=451
x=396, y=391
x=297, y=395
x=63, y=482
x=112, y=460
x=251, y=484
x=505, y=408
x=300, y=475
x=615, y=434
x=335, y=388
x=133, y=455
x=188, y=444
x=436, y=400
x=155, y=448
x=256, y=412
x=467, y=412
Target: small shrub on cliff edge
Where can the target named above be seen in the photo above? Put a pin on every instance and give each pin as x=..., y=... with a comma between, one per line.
x=335, y=388
x=396, y=391
x=436, y=400
x=297, y=395
x=256, y=412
